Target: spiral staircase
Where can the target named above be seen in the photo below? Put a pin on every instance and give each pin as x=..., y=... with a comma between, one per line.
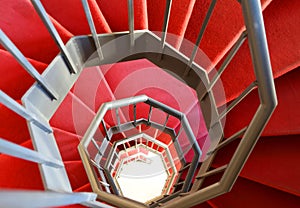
x=90, y=87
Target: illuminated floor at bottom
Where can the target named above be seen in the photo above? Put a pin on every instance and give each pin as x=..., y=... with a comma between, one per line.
x=142, y=181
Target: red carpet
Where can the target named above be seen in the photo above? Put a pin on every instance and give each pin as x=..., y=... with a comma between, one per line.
x=271, y=175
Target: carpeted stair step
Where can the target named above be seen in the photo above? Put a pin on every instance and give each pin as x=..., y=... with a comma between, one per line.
x=67, y=144
x=286, y=118
x=31, y=178
x=70, y=14
x=20, y=174
x=181, y=11
x=207, y=204
x=272, y=163
x=23, y=26
x=116, y=14
x=76, y=174
x=72, y=116
x=282, y=34
x=17, y=81
x=248, y=194
x=13, y=127
x=92, y=88
x=223, y=29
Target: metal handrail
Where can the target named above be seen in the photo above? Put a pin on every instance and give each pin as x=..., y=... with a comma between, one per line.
x=264, y=82
x=268, y=101
x=117, y=104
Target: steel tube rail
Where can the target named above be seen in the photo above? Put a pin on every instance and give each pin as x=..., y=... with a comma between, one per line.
x=18, y=151
x=90, y=21
x=229, y=140
x=23, y=112
x=131, y=21
x=166, y=23
x=200, y=35
x=35, y=199
x=53, y=32
x=6, y=42
x=196, y=158
x=236, y=101
x=262, y=68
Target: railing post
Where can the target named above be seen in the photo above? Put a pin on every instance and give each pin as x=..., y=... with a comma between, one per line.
x=20, y=110
x=89, y=18
x=18, y=151
x=131, y=21
x=262, y=67
x=260, y=57
x=166, y=23
x=53, y=32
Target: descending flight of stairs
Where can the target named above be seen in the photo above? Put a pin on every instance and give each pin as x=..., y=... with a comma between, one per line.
x=271, y=176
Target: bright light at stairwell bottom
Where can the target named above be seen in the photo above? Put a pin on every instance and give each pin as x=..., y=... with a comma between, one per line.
x=142, y=180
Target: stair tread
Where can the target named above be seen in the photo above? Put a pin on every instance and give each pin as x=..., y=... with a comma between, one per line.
x=13, y=127
x=18, y=81
x=282, y=36
x=273, y=163
x=286, y=117
x=27, y=26
x=67, y=144
x=204, y=205
x=260, y=195
x=181, y=11
x=116, y=14
x=92, y=89
x=76, y=22
x=18, y=173
x=77, y=116
x=225, y=26
x=76, y=174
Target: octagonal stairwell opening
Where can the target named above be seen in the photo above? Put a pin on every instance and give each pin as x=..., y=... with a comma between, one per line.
x=138, y=158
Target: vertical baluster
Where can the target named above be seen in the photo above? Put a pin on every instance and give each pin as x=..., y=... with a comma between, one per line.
x=226, y=62
x=149, y=115
x=92, y=27
x=20, y=198
x=20, y=110
x=134, y=114
x=53, y=32
x=166, y=23
x=230, y=56
x=118, y=118
x=199, y=38
x=131, y=22
x=18, y=151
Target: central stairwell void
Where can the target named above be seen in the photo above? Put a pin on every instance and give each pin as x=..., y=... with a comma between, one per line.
x=145, y=116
